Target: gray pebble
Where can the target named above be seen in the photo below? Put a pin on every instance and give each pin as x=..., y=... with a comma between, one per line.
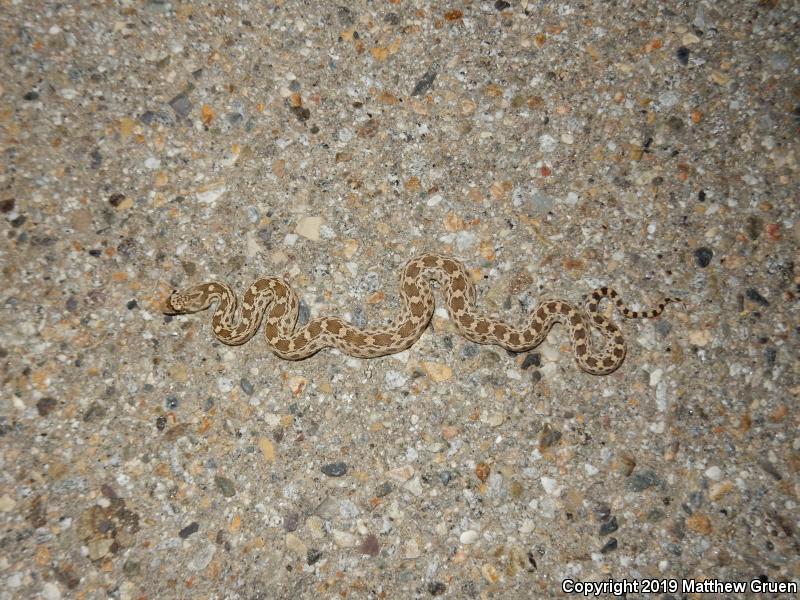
x=754, y=295
x=703, y=256
x=609, y=526
x=303, y=313
x=181, y=105
x=424, y=84
x=225, y=485
x=360, y=317
x=336, y=469
x=189, y=530
x=246, y=386
x=642, y=480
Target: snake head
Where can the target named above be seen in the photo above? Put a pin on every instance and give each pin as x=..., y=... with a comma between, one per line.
x=187, y=301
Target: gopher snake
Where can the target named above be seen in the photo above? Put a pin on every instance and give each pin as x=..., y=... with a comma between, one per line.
x=276, y=295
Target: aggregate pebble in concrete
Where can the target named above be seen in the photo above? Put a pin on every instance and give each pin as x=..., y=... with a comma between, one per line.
x=553, y=147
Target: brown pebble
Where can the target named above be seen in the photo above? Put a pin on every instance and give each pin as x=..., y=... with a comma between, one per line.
x=699, y=523
x=370, y=545
x=482, y=470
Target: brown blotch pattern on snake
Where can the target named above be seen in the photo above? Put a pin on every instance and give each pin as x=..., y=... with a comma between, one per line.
x=273, y=301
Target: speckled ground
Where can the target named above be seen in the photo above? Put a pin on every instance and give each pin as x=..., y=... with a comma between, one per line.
x=553, y=147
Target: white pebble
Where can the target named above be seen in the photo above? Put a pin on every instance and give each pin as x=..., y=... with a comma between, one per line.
x=309, y=228
x=465, y=240
x=434, y=200
x=207, y=196
x=547, y=143
x=655, y=377
x=202, y=558
x=414, y=486
x=470, y=536
x=345, y=135
x=411, y=549
x=14, y=581
x=714, y=473
x=50, y=591
x=394, y=380
x=152, y=163
x=224, y=384
x=550, y=486
x=590, y=469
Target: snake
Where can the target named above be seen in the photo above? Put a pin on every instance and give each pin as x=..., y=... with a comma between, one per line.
x=273, y=301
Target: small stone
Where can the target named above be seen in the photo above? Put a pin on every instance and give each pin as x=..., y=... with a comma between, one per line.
x=131, y=304
x=314, y=527
x=225, y=485
x=437, y=372
x=246, y=386
x=496, y=419
x=344, y=539
x=609, y=526
x=411, y=550
x=642, y=480
x=754, y=227
x=501, y=5
x=655, y=377
x=754, y=295
x=296, y=545
x=609, y=546
x=50, y=591
x=152, y=163
x=384, y=489
x=682, y=54
x=700, y=337
x=482, y=471
x=224, y=384
x=401, y=474
x=549, y=437
x=550, y=486
x=703, y=256
x=189, y=530
x=309, y=228
x=714, y=473
x=718, y=490
x=7, y=503
x=46, y=405
x=470, y=536
x=202, y=558
x=267, y=449
x=211, y=194
x=394, y=380
x=181, y=105
x=424, y=84
x=699, y=523
x=436, y=588
x=541, y=201
x=99, y=547
x=313, y=556
x=547, y=143
x=490, y=573
x=31, y=96
x=780, y=61
x=336, y=469
x=533, y=359
x=291, y=521
x=370, y=545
